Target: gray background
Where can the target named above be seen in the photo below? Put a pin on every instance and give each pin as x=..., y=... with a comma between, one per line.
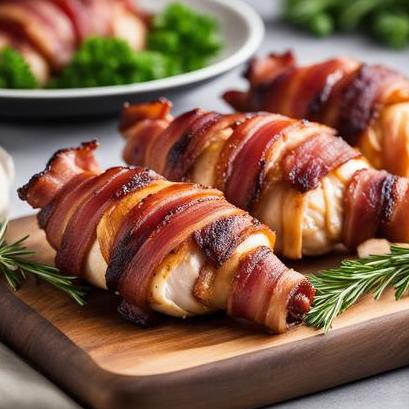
x=32, y=144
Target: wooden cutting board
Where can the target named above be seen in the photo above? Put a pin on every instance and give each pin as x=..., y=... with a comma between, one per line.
x=212, y=362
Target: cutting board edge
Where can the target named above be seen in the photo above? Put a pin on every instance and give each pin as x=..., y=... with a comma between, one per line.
x=210, y=384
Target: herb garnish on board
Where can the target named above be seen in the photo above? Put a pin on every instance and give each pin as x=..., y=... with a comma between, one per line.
x=15, y=267
x=341, y=287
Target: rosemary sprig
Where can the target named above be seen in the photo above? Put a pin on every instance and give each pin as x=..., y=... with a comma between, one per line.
x=341, y=287
x=15, y=267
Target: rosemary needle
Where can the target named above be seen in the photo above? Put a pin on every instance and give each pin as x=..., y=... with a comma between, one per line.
x=339, y=288
x=15, y=267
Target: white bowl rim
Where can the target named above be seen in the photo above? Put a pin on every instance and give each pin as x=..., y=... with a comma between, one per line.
x=249, y=17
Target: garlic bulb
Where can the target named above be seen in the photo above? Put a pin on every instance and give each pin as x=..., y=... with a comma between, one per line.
x=6, y=179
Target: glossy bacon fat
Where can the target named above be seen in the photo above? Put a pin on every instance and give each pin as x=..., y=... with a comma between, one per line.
x=297, y=177
x=367, y=104
x=176, y=248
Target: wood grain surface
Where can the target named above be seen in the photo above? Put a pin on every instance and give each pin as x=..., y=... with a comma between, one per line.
x=204, y=362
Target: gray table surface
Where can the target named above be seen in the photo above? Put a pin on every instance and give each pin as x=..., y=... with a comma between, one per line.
x=31, y=145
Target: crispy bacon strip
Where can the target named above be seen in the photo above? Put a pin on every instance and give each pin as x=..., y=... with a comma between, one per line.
x=261, y=71
x=264, y=75
x=201, y=140
x=219, y=239
x=309, y=162
x=159, y=148
x=132, y=113
x=248, y=167
x=60, y=169
x=66, y=206
x=54, y=217
x=140, y=138
x=314, y=85
x=277, y=84
x=241, y=134
x=364, y=206
x=80, y=232
x=293, y=298
x=395, y=221
x=113, y=218
x=326, y=108
x=368, y=90
x=260, y=278
x=141, y=124
x=176, y=167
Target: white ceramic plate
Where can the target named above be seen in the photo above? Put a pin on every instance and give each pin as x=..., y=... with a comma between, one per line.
x=241, y=29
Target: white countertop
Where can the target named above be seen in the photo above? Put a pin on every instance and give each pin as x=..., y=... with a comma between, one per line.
x=32, y=144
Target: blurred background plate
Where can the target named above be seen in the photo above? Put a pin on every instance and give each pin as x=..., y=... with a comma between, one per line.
x=241, y=30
